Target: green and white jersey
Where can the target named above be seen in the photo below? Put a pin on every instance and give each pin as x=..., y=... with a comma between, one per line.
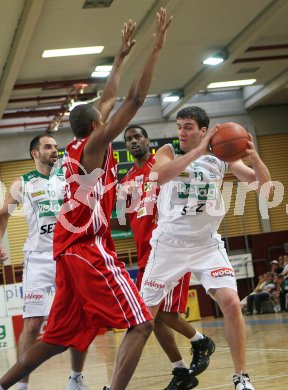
x=42, y=197
x=191, y=205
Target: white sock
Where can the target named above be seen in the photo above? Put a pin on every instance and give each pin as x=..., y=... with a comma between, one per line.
x=75, y=374
x=1, y=388
x=180, y=364
x=197, y=336
x=22, y=386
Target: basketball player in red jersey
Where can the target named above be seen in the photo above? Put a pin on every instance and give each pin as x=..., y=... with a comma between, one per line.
x=93, y=289
x=142, y=216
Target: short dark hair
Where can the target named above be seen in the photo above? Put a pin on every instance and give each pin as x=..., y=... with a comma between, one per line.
x=143, y=131
x=197, y=113
x=81, y=118
x=35, y=143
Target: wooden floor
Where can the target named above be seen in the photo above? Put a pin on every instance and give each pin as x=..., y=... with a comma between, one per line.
x=267, y=358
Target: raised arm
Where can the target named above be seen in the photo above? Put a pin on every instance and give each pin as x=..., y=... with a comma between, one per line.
x=108, y=97
x=105, y=133
x=10, y=203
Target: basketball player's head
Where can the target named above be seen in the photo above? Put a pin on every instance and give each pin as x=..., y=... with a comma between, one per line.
x=192, y=123
x=83, y=120
x=137, y=141
x=44, y=149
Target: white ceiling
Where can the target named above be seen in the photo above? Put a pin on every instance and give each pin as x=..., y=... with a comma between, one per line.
x=33, y=90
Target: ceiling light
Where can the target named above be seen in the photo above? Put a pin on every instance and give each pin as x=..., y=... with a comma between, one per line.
x=213, y=61
x=76, y=51
x=102, y=71
x=229, y=84
x=170, y=99
x=217, y=58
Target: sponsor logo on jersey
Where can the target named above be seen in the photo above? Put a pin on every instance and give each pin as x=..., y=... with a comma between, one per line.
x=38, y=193
x=212, y=174
x=48, y=228
x=139, y=180
x=148, y=186
x=35, y=296
x=184, y=174
x=154, y=284
x=220, y=272
x=49, y=208
x=210, y=159
x=201, y=191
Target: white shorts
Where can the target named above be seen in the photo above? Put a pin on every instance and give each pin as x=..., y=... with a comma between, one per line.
x=38, y=283
x=171, y=258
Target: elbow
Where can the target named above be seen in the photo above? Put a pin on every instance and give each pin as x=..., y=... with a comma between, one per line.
x=138, y=100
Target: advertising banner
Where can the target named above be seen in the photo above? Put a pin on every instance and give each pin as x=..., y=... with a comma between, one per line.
x=6, y=333
x=13, y=294
x=242, y=265
x=2, y=302
x=192, y=311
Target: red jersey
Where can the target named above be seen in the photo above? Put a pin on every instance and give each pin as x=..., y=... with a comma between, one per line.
x=88, y=200
x=142, y=209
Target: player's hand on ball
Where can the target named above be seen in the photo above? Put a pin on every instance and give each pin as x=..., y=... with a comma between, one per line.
x=251, y=150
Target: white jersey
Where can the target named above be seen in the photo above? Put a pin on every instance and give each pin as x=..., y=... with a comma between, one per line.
x=191, y=205
x=42, y=197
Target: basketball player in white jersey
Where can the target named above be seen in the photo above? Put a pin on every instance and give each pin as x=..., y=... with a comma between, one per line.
x=190, y=211
x=40, y=192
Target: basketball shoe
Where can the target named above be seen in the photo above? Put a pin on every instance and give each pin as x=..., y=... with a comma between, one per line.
x=106, y=388
x=201, y=350
x=183, y=379
x=76, y=383
x=242, y=382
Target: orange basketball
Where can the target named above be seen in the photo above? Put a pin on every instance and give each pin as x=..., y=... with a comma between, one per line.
x=230, y=142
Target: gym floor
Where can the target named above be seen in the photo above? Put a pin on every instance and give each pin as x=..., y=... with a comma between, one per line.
x=267, y=359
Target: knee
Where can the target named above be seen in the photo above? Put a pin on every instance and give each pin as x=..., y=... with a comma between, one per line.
x=32, y=326
x=145, y=329
x=232, y=307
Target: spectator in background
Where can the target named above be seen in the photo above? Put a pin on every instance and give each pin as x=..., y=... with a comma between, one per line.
x=284, y=298
x=275, y=267
x=262, y=279
x=285, y=266
x=281, y=261
x=264, y=295
x=278, y=294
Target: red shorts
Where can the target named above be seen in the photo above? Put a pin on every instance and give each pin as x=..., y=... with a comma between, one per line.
x=176, y=300
x=93, y=290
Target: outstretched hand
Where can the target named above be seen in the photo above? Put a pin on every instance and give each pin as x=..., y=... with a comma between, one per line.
x=162, y=25
x=204, y=144
x=127, y=38
x=251, y=150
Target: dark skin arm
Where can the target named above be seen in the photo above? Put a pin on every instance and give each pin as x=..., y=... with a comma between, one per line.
x=108, y=97
x=104, y=133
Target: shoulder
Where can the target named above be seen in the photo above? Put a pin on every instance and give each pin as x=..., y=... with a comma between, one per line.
x=215, y=162
x=167, y=150
x=176, y=148
x=28, y=176
x=130, y=174
x=75, y=147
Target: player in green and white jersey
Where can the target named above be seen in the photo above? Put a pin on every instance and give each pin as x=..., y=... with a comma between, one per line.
x=190, y=210
x=40, y=192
